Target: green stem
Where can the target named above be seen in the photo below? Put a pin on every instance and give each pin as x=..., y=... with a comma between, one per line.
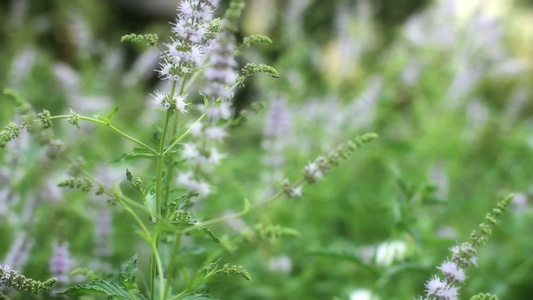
x=192, y=80
x=155, y=249
x=158, y=194
x=183, y=135
x=173, y=133
x=127, y=136
x=160, y=165
x=182, y=293
x=170, y=270
x=153, y=245
x=233, y=216
x=156, y=262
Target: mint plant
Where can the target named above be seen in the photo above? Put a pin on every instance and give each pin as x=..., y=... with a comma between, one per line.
x=183, y=153
x=184, y=188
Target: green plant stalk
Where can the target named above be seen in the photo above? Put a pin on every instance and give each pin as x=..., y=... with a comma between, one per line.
x=170, y=271
x=233, y=216
x=155, y=255
x=126, y=202
x=184, y=134
x=181, y=294
x=170, y=175
x=122, y=133
x=155, y=262
x=194, y=76
x=173, y=134
x=158, y=194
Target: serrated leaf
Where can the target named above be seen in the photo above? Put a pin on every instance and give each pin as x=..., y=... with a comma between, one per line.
x=206, y=100
x=128, y=276
x=112, y=113
x=130, y=155
x=138, y=149
x=206, y=232
x=195, y=296
x=175, y=148
x=129, y=177
x=103, y=287
x=182, y=199
x=210, y=267
x=151, y=184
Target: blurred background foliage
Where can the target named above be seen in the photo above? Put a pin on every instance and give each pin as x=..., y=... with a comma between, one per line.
x=448, y=87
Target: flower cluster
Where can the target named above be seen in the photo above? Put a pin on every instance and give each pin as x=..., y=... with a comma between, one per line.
x=221, y=72
x=222, y=63
x=10, y=132
x=194, y=31
x=10, y=278
x=322, y=165
x=217, y=105
x=277, y=126
x=463, y=256
x=59, y=262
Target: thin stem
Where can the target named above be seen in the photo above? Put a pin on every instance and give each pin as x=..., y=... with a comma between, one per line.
x=183, y=135
x=136, y=217
x=159, y=267
x=127, y=136
x=156, y=261
x=192, y=80
x=170, y=270
x=160, y=165
x=153, y=245
x=173, y=133
x=116, y=192
x=182, y=293
x=158, y=187
x=235, y=215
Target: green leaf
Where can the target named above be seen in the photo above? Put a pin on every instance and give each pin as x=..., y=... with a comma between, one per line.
x=129, y=177
x=128, y=276
x=103, y=287
x=138, y=152
x=210, y=267
x=206, y=232
x=206, y=100
x=175, y=148
x=111, y=114
x=138, y=149
x=151, y=203
x=128, y=156
x=176, y=203
x=195, y=296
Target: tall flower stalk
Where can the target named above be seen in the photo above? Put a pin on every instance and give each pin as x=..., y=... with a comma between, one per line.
x=446, y=287
x=200, y=45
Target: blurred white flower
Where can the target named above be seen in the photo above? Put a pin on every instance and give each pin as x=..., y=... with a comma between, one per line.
x=390, y=251
x=280, y=264
x=362, y=294
x=520, y=201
